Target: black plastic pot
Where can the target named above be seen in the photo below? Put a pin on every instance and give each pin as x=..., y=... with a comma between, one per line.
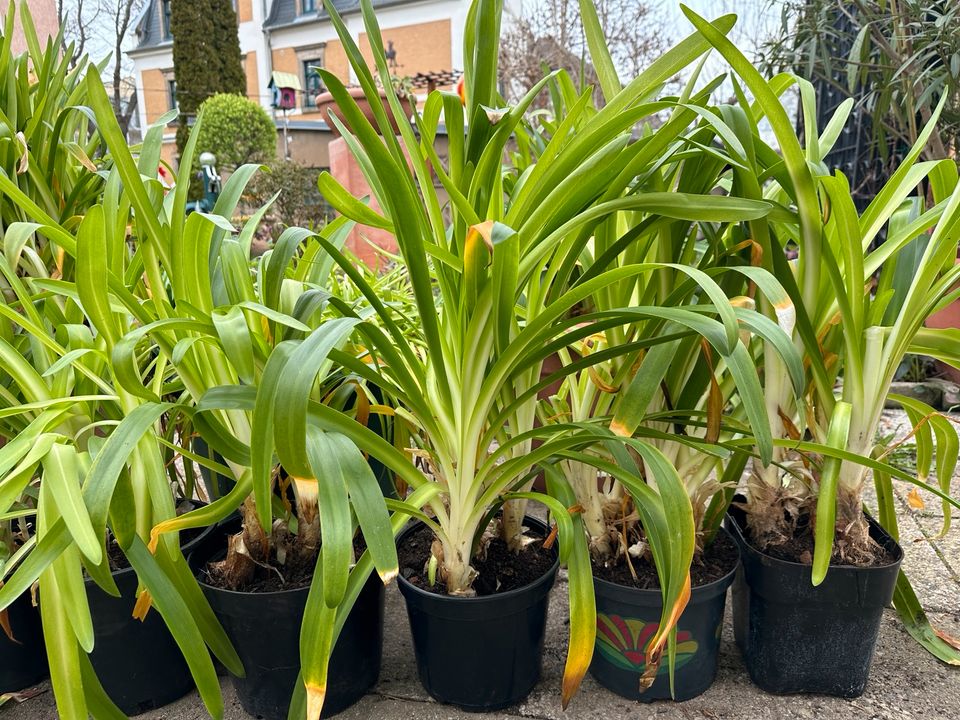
x=628, y=618
x=797, y=638
x=265, y=631
x=479, y=653
x=22, y=663
x=138, y=663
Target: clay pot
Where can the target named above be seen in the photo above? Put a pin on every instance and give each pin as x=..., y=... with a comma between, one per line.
x=326, y=104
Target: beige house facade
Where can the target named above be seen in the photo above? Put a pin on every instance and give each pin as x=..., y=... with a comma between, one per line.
x=293, y=36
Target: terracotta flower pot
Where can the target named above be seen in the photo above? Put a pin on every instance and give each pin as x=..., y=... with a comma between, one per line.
x=326, y=104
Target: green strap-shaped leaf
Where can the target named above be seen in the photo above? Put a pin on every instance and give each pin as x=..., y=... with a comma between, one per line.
x=63, y=653
x=599, y=52
x=350, y=206
x=183, y=580
x=293, y=392
x=99, y=704
x=924, y=419
x=101, y=479
x=62, y=478
x=368, y=504
x=321, y=625
x=328, y=457
x=918, y=625
x=179, y=620
x=231, y=327
x=826, y=516
x=576, y=554
x=49, y=547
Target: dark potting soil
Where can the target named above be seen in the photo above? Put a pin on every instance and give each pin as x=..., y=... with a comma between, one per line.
x=272, y=577
x=799, y=549
x=499, y=571
x=715, y=562
x=118, y=561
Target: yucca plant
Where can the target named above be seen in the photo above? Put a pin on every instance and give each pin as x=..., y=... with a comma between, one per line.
x=849, y=321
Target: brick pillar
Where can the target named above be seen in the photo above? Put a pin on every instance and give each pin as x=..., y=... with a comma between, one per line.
x=346, y=170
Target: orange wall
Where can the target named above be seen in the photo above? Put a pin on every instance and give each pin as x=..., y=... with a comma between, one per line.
x=155, y=97
x=245, y=10
x=253, y=80
x=420, y=48
x=44, y=15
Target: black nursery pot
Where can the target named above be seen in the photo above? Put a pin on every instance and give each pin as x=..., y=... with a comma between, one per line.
x=23, y=662
x=628, y=618
x=265, y=631
x=138, y=663
x=480, y=653
x=797, y=638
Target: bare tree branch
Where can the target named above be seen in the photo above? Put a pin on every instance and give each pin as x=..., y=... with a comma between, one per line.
x=548, y=33
x=105, y=25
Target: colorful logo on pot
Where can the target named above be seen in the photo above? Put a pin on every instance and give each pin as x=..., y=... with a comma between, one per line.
x=623, y=641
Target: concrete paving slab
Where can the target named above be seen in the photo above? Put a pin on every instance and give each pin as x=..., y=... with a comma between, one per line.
x=906, y=682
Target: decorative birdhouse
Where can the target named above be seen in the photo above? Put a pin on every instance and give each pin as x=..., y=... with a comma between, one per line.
x=284, y=87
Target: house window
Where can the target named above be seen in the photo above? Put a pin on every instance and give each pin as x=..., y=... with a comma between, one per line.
x=165, y=18
x=171, y=93
x=312, y=82
x=307, y=6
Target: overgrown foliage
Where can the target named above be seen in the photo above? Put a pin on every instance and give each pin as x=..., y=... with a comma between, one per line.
x=298, y=202
x=896, y=59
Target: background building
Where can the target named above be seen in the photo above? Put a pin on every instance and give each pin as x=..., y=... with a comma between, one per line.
x=44, y=14
x=422, y=36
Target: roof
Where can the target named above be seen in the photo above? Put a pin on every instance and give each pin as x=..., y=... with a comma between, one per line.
x=283, y=13
x=149, y=28
x=284, y=80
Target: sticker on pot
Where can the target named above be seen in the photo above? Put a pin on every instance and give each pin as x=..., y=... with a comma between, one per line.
x=623, y=641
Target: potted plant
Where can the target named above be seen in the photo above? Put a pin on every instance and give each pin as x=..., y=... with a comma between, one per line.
x=219, y=334
x=815, y=567
x=494, y=288
x=684, y=397
x=101, y=455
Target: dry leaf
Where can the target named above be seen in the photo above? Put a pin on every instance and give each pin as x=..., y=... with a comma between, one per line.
x=5, y=624
x=142, y=606
x=914, y=500
x=948, y=639
x=19, y=697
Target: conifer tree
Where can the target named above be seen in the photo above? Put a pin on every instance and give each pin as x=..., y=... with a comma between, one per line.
x=206, y=56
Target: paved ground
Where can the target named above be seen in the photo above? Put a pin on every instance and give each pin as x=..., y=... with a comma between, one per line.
x=905, y=681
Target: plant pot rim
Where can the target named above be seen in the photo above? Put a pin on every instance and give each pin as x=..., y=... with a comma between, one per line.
x=354, y=92
x=185, y=547
x=193, y=561
x=721, y=583
x=896, y=550
x=548, y=577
